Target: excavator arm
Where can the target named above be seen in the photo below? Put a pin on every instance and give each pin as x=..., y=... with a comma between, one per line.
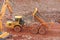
x=10, y=8
x=5, y=5
x=3, y=10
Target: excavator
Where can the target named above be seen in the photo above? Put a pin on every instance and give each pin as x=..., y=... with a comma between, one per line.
x=5, y=5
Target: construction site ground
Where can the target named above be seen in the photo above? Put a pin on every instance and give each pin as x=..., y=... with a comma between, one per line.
x=52, y=34
x=49, y=9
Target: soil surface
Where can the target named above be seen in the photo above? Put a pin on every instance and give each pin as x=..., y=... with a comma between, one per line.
x=52, y=34
x=49, y=10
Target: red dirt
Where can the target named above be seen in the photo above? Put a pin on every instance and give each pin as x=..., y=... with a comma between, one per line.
x=45, y=8
x=52, y=34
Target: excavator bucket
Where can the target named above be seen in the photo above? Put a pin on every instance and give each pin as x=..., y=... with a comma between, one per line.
x=4, y=35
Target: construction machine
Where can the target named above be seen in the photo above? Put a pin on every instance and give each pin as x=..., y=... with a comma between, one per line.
x=42, y=28
x=5, y=5
x=17, y=24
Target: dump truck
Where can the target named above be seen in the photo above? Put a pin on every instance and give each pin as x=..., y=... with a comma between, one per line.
x=40, y=28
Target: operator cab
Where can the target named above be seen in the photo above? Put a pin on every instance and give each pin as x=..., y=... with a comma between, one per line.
x=19, y=20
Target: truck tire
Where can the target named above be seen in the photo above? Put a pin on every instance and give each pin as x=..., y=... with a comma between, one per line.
x=42, y=30
x=34, y=31
x=17, y=28
x=34, y=28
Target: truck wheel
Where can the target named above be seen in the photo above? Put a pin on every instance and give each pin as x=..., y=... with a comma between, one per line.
x=42, y=30
x=17, y=28
x=34, y=30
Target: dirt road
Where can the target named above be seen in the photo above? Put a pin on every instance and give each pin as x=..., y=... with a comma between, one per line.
x=52, y=34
